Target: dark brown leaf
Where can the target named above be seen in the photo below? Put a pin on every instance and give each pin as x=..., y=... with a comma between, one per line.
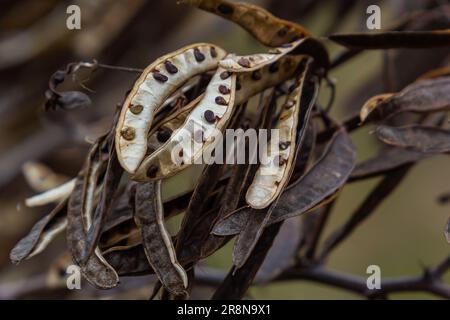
x=386, y=161
x=419, y=138
x=420, y=97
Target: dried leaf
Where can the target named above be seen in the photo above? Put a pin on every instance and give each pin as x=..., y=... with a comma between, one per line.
x=421, y=97
x=420, y=138
x=386, y=161
x=149, y=216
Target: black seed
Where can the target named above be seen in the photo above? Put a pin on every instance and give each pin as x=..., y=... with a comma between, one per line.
x=238, y=85
x=224, y=75
x=284, y=145
x=159, y=76
x=225, y=9
x=220, y=100
x=282, y=32
x=198, y=136
x=198, y=55
x=180, y=153
x=244, y=62
x=128, y=133
x=213, y=52
x=223, y=89
x=136, y=109
x=274, y=67
x=209, y=116
x=279, y=161
x=151, y=171
x=170, y=67
x=256, y=75
x=163, y=135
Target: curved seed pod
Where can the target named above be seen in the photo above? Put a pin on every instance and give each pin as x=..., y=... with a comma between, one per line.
x=211, y=113
x=96, y=270
x=394, y=39
x=149, y=217
x=272, y=177
x=164, y=130
x=261, y=24
x=372, y=104
x=42, y=233
x=420, y=97
x=419, y=138
x=317, y=187
x=40, y=177
x=52, y=195
x=158, y=81
x=253, y=62
x=269, y=76
x=128, y=260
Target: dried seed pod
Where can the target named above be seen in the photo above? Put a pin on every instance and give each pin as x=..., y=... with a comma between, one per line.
x=42, y=233
x=152, y=88
x=182, y=138
x=53, y=195
x=40, y=177
x=272, y=177
x=265, y=27
x=158, y=246
x=420, y=97
x=253, y=62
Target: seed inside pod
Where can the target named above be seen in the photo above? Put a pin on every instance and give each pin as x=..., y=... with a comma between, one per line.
x=274, y=51
x=282, y=32
x=170, y=67
x=213, y=52
x=279, y=161
x=151, y=171
x=224, y=75
x=136, y=108
x=284, y=145
x=224, y=9
x=273, y=67
x=198, y=55
x=256, y=75
x=180, y=153
x=198, y=136
x=159, y=76
x=209, y=116
x=289, y=104
x=163, y=135
x=128, y=133
x=244, y=62
x=238, y=85
x=223, y=89
x=220, y=100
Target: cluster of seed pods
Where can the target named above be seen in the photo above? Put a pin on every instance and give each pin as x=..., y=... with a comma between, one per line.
x=114, y=210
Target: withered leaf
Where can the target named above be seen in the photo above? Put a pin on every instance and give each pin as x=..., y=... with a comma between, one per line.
x=394, y=39
x=282, y=252
x=420, y=97
x=387, y=160
x=45, y=230
x=420, y=138
x=158, y=246
x=316, y=187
